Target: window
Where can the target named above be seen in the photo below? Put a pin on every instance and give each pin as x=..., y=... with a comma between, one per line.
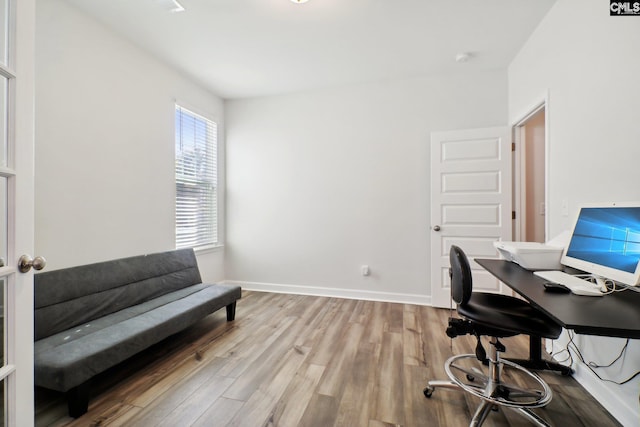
x=196, y=180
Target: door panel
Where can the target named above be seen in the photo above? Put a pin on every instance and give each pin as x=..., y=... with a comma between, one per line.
x=479, y=182
x=17, y=47
x=470, y=202
x=470, y=215
x=473, y=246
x=470, y=149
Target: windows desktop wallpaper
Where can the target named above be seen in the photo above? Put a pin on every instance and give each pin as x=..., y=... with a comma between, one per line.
x=608, y=236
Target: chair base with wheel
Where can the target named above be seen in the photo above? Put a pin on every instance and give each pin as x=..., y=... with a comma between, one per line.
x=490, y=386
x=497, y=381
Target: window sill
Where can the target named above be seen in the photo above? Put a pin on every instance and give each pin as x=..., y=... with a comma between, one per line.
x=208, y=249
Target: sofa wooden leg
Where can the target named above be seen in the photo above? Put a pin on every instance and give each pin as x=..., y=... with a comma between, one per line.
x=231, y=311
x=78, y=400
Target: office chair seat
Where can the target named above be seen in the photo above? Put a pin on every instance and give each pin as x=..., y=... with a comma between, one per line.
x=507, y=316
x=502, y=383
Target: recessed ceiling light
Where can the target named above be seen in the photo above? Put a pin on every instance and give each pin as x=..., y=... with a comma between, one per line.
x=463, y=57
x=299, y=1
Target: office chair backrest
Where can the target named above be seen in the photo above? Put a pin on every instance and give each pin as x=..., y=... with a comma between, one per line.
x=460, y=272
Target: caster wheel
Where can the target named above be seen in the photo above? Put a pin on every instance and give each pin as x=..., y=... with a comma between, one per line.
x=428, y=391
x=470, y=378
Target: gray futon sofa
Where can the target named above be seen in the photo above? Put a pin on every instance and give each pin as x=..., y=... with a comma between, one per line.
x=92, y=317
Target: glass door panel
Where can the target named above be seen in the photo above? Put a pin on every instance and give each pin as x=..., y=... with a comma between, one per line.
x=3, y=403
x=3, y=221
x=4, y=103
x=4, y=32
x=3, y=335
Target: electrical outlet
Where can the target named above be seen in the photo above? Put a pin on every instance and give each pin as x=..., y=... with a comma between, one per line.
x=365, y=270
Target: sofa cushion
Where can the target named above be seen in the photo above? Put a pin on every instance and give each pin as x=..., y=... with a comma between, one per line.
x=68, y=358
x=74, y=296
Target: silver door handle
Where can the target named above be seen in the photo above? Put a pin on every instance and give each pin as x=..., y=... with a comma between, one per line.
x=25, y=263
x=436, y=228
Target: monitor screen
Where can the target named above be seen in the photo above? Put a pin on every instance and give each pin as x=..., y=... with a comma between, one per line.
x=606, y=242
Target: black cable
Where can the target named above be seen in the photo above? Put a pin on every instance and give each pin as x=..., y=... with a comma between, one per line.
x=591, y=368
x=624, y=349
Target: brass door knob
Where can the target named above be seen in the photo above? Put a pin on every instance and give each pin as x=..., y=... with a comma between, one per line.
x=26, y=262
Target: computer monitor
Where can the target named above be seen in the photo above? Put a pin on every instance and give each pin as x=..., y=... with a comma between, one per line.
x=605, y=242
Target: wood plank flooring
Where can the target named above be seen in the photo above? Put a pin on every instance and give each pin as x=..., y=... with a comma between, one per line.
x=291, y=360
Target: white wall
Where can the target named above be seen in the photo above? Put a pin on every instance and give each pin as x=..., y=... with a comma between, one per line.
x=589, y=65
x=105, y=143
x=320, y=183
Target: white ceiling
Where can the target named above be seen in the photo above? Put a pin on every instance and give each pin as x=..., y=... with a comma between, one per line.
x=247, y=48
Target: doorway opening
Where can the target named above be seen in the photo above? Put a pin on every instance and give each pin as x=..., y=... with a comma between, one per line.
x=530, y=177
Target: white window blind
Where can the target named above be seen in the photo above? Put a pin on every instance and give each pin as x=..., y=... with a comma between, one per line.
x=196, y=180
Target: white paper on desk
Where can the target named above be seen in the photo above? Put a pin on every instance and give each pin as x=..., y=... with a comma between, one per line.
x=561, y=240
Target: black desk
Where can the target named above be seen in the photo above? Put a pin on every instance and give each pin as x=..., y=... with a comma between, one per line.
x=613, y=315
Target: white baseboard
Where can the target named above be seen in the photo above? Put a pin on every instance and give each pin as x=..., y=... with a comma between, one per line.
x=333, y=292
x=604, y=393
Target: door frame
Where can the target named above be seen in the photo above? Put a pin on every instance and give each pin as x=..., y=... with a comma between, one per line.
x=519, y=168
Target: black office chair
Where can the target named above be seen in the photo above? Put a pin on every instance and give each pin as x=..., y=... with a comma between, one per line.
x=505, y=384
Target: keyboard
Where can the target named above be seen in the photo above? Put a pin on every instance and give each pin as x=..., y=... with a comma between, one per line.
x=575, y=284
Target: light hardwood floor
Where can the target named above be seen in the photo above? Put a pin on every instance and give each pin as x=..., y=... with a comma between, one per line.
x=291, y=360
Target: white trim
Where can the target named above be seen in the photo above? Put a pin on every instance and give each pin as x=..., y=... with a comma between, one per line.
x=6, y=370
x=208, y=249
x=7, y=172
x=7, y=72
x=519, y=184
x=332, y=292
x=601, y=391
x=535, y=108
x=203, y=112
x=7, y=270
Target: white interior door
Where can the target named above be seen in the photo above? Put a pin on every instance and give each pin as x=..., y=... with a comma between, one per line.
x=17, y=34
x=470, y=203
